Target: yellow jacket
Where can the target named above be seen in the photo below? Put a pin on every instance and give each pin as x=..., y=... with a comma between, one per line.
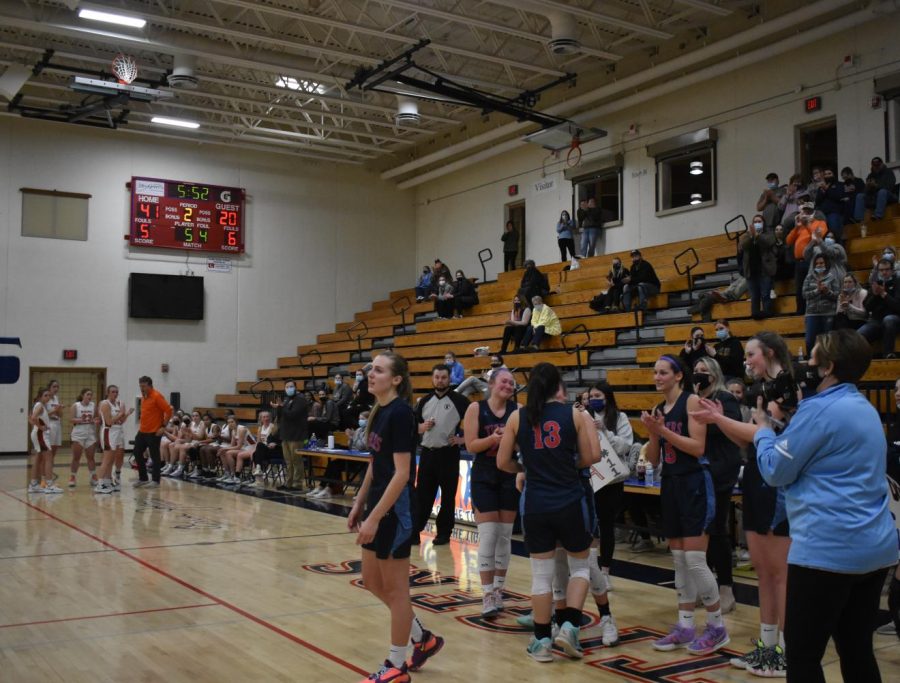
x=548, y=318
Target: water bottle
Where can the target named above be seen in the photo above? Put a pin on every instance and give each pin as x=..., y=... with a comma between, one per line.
x=648, y=475
x=800, y=354
x=313, y=444
x=641, y=471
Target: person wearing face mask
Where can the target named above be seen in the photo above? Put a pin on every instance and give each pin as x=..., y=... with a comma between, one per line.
x=724, y=464
x=694, y=349
x=292, y=413
x=517, y=324
x=820, y=289
x=883, y=305
x=888, y=253
x=362, y=400
x=611, y=299
x=758, y=266
x=464, y=294
x=423, y=284
x=565, y=236
x=839, y=553
x=770, y=201
x=790, y=201
x=853, y=187
x=642, y=279
x=472, y=385
x=830, y=201
x=879, y=191
x=510, y=239
x=544, y=322
x=728, y=351
x=825, y=243
x=851, y=311
x=799, y=238
x=457, y=371
x=342, y=394
x=443, y=298
x=534, y=282
x=590, y=227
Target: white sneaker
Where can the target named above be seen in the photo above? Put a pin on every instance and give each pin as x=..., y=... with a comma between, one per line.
x=488, y=608
x=497, y=596
x=223, y=477
x=52, y=488
x=35, y=487
x=232, y=480
x=316, y=494
x=177, y=472
x=195, y=474
x=609, y=631
x=116, y=485
x=140, y=483
x=325, y=494
x=103, y=488
x=152, y=485
x=257, y=471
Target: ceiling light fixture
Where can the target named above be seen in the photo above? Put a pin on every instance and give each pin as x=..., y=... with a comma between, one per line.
x=696, y=199
x=696, y=168
x=111, y=17
x=178, y=123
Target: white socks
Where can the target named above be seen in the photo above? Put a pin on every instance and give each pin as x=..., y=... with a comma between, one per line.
x=768, y=634
x=416, y=630
x=397, y=655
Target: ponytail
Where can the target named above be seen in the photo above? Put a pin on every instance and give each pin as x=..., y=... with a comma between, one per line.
x=543, y=384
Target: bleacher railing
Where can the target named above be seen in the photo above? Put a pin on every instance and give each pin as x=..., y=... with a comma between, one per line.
x=400, y=306
x=264, y=396
x=735, y=235
x=484, y=256
x=579, y=329
x=311, y=360
x=684, y=263
x=363, y=333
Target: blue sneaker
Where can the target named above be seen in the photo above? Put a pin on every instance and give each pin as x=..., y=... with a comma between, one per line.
x=526, y=620
x=567, y=641
x=540, y=650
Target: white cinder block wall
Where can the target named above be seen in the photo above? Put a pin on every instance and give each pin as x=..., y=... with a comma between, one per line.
x=323, y=242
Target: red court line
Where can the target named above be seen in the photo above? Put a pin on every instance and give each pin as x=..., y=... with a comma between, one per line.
x=209, y=596
x=111, y=614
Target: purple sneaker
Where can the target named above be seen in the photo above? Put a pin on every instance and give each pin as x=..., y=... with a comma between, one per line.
x=679, y=636
x=712, y=639
x=422, y=651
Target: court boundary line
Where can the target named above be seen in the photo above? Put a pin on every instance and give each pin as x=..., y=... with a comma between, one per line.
x=209, y=596
x=108, y=615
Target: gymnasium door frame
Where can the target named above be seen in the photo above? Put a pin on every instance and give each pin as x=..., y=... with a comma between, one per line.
x=810, y=142
x=515, y=212
x=41, y=374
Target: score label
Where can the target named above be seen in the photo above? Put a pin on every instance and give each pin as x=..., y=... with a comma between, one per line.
x=174, y=214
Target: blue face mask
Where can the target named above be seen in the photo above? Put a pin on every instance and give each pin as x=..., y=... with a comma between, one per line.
x=820, y=270
x=596, y=404
x=773, y=186
x=722, y=334
x=829, y=241
x=290, y=391
x=362, y=423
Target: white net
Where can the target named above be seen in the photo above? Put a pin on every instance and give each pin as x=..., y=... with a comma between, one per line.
x=125, y=68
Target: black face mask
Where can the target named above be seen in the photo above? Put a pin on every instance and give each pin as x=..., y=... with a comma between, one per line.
x=702, y=381
x=811, y=378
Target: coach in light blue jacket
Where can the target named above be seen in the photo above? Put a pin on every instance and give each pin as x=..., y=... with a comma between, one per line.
x=830, y=461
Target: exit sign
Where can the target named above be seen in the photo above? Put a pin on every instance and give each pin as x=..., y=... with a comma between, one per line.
x=813, y=104
x=70, y=354
x=512, y=190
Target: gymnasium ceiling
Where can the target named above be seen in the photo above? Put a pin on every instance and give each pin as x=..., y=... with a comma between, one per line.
x=244, y=50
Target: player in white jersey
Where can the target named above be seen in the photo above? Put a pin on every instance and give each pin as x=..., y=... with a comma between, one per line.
x=242, y=440
x=54, y=434
x=196, y=433
x=112, y=439
x=39, y=418
x=84, y=435
x=172, y=437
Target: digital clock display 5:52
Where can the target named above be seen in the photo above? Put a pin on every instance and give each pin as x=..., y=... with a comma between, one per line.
x=175, y=214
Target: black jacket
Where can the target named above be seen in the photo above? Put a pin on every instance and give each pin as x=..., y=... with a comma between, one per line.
x=534, y=283
x=293, y=419
x=465, y=289
x=730, y=355
x=878, y=307
x=642, y=272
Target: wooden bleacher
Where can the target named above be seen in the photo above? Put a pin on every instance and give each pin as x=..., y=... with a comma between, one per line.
x=425, y=341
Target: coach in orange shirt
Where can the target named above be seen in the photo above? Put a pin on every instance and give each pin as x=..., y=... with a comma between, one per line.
x=155, y=413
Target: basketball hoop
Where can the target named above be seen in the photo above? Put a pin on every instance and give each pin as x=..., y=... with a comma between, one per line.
x=124, y=67
x=573, y=158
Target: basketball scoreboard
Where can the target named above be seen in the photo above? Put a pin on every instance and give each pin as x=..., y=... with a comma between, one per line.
x=175, y=214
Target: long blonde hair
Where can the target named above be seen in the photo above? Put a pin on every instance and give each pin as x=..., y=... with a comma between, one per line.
x=399, y=367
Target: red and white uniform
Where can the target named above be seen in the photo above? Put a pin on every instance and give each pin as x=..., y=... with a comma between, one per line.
x=112, y=436
x=84, y=431
x=54, y=422
x=196, y=432
x=40, y=433
x=249, y=440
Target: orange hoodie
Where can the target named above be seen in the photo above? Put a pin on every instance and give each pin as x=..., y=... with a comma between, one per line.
x=802, y=234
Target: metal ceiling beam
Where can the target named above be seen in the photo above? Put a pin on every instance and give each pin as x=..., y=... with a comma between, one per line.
x=706, y=7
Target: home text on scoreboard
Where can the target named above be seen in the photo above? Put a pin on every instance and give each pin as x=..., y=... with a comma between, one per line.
x=175, y=214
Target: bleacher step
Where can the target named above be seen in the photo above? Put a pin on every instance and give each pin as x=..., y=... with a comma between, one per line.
x=727, y=265
x=612, y=355
x=720, y=279
x=408, y=329
x=363, y=357
x=588, y=376
x=383, y=343
x=647, y=334
x=669, y=315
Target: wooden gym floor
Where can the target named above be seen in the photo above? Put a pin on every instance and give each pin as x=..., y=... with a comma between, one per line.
x=190, y=583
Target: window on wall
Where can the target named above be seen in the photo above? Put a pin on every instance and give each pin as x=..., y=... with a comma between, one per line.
x=58, y=215
x=888, y=87
x=601, y=181
x=685, y=171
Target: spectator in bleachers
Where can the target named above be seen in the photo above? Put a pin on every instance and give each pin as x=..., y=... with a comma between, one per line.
x=315, y=406
x=798, y=238
x=328, y=421
x=357, y=436
x=510, y=238
x=342, y=395
x=883, y=305
x=579, y=223
x=464, y=294
x=830, y=201
x=423, y=284
x=851, y=311
x=828, y=246
x=880, y=191
x=590, y=227
x=694, y=349
x=457, y=371
x=734, y=292
x=853, y=187
x=519, y=321
x=728, y=350
x=565, y=236
x=820, y=290
x=476, y=384
x=642, y=279
x=544, y=322
x=362, y=399
x=439, y=269
x=738, y=389
x=443, y=298
x=611, y=299
x=790, y=201
x=534, y=282
x=760, y=263
x=813, y=186
x=771, y=201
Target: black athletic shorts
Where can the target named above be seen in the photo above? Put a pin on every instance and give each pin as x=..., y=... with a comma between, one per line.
x=762, y=505
x=688, y=504
x=569, y=527
x=492, y=491
x=393, y=540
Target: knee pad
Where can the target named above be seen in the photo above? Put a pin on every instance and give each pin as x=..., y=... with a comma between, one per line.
x=487, y=543
x=560, y=575
x=541, y=576
x=503, y=545
x=598, y=578
x=702, y=576
x=579, y=568
x=687, y=593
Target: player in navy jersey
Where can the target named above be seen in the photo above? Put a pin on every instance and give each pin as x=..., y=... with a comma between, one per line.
x=555, y=443
x=688, y=506
x=383, y=516
x=495, y=498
